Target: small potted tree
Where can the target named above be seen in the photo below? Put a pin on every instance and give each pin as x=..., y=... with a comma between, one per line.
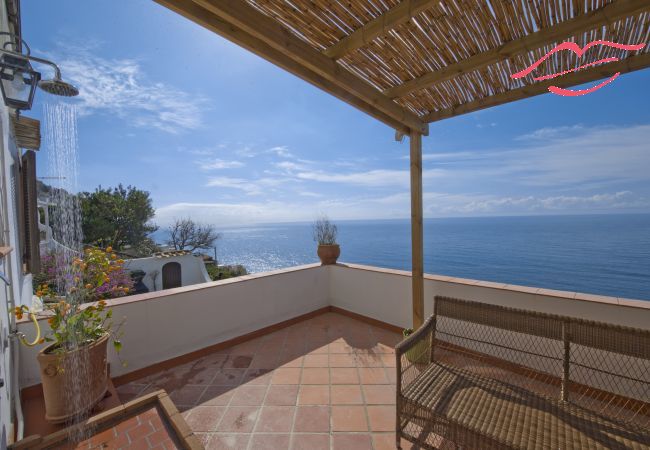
x=73, y=366
x=325, y=235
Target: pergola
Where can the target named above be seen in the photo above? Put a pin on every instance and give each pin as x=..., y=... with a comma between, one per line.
x=408, y=63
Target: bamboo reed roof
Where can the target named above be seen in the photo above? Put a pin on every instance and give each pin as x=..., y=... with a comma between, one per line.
x=412, y=62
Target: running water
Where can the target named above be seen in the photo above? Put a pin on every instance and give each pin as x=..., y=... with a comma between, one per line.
x=63, y=165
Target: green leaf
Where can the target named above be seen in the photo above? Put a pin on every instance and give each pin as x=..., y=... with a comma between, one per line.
x=118, y=345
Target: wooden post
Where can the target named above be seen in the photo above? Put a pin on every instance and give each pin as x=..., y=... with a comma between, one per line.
x=417, y=246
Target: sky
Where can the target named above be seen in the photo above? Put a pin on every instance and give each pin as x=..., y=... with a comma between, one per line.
x=218, y=134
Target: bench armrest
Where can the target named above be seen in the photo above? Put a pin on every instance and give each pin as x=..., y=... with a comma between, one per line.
x=424, y=332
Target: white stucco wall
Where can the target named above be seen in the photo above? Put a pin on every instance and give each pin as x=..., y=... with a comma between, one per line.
x=11, y=266
x=385, y=295
x=162, y=325
x=192, y=269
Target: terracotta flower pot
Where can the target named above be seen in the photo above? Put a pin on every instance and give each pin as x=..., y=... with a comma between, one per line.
x=73, y=382
x=328, y=254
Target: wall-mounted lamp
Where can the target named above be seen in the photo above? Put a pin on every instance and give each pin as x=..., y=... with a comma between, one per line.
x=18, y=80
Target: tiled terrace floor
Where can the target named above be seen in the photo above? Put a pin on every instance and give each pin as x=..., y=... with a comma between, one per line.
x=324, y=383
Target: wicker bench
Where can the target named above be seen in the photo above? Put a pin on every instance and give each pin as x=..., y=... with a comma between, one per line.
x=481, y=376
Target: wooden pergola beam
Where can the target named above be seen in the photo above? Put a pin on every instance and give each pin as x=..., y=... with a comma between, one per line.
x=377, y=27
x=204, y=18
x=610, y=13
x=246, y=19
x=629, y=64
x=417, y=234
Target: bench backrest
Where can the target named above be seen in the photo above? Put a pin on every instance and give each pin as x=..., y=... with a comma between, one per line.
x=602, y=366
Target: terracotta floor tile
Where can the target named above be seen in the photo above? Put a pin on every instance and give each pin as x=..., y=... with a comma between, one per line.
x=275, y=419
x=270, y=441
x=205, y=418
x=216, y=396
x=265, y=361
x=310, y=442
x=290, y=360
x=257, y=376
x=388, y=360
x=130, y=391
x=230, y=377
x=317, y=360
x=340, y=347
x=391, y=373
x=282, y=395
x=237, y=361
x=239, y=419
x=342, y=360
x=368, y=360
x=314, y=395
x=340, y=375
x=187, y=395
x=222, y=441
x=343, y=441
x=286, y=376
x=384, y=441
x=373, y=375
x=315, y=375
x=312, y=419
x=379, y=394
x=317, y=348
x=349, y=418
x=381, y=417
x=248, y=347
x=346, y=394
x=248, y=395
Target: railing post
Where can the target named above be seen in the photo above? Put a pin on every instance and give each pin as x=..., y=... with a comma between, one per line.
x=566, y=339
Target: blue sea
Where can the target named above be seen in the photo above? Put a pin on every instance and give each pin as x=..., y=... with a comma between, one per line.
x=598, y=254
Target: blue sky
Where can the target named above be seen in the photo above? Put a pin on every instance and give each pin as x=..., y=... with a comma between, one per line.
x=218, y=134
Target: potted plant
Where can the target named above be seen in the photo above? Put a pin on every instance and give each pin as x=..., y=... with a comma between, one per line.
x=418, y=354
x=325, y=234
x=73, y=366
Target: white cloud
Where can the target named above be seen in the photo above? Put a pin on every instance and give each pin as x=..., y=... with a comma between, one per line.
x=234, y=183
x=551, y=133
x=397, y=206
x=371, y=178
x=121, y=88
x=281, y=150
x=216, y=164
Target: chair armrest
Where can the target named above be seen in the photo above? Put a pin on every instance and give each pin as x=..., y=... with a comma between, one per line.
x=418, y=335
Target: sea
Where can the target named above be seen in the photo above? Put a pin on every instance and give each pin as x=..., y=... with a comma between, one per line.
x=596, y=254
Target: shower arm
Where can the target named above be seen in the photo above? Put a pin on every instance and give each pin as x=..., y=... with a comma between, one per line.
x=57, y=71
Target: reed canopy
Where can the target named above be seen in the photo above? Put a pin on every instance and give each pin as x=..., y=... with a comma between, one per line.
x=412, y=62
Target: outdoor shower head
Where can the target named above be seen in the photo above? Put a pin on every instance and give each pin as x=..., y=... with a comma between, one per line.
x=57, y=86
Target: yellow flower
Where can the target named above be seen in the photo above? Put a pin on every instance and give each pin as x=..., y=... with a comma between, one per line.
x=126, y=289
x=89, y=286
x=41, y=341
x=113, y=256
x=109, y=249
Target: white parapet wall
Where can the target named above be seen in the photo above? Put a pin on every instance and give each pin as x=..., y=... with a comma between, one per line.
x=162, y=325
x=166, y=324
x=385, y=295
